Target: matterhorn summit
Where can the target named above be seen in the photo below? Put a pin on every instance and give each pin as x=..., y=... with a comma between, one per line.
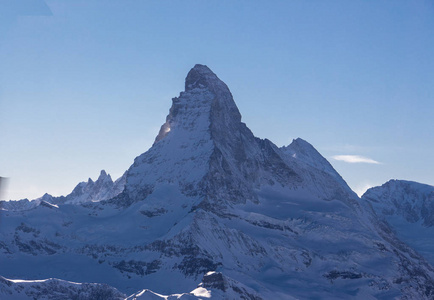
x=211, y=211
x=204, y=137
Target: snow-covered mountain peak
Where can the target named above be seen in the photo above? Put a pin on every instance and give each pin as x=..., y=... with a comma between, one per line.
x=200, y=76
x=205, y=149
x=409, y=209
x=206, y=100
x=101, y=189
x=409, y=200
x=399, y=190
x=203, y=122
x=301, y=150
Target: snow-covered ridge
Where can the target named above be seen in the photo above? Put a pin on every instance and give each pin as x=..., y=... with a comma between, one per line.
x=91, y=191
x=408, y=207
x=412, y=201
x=102, y=189
x=306, y=153
x=55, y=289
x=214, y=285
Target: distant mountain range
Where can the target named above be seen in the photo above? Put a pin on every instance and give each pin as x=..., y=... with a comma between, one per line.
x=211, y=211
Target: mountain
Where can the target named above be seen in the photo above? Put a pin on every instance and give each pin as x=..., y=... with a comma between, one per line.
x=102, y=189
x=209, y=196
x=91, y=191
x=409, y=208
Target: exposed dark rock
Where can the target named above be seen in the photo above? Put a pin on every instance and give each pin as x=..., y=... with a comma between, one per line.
x=332, y=275
x=138, y=267
x=154, y=213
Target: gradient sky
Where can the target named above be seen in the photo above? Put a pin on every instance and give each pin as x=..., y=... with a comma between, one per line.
x=85, y=85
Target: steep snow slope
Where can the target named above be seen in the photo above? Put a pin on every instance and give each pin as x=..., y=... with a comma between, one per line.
x=209, y=196
x=409, y=208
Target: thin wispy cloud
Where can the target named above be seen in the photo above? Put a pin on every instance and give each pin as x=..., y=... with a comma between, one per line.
x=353, y=159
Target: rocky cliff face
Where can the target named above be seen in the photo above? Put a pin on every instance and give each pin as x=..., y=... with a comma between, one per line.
x=208, y=196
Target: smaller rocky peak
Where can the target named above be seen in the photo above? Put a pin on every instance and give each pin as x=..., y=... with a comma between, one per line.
x=103, y=176
x=46, y=197
x=300, y=145
x=397, y=185
x=398, y=189
x=410, y=200
x=301, y=150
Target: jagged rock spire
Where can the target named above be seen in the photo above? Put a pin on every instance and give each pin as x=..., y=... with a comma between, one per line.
x=216, y=101
x=200, y=76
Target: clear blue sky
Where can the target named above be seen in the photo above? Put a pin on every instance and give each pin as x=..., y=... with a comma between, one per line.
x=85, y=85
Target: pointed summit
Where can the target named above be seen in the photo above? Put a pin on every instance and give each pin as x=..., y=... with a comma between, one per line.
x=205, y=148
x=303, y=151
x=200, y=76
x=206, y=102
x=103, y=176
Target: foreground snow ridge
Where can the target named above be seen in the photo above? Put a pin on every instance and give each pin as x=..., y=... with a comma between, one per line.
x=214, y=285
x=55, y=289
x=212, y=212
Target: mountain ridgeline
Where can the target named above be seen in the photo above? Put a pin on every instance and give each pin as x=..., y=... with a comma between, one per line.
x=211, y=211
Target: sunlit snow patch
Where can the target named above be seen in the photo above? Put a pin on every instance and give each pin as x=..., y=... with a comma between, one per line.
x=202, y=292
